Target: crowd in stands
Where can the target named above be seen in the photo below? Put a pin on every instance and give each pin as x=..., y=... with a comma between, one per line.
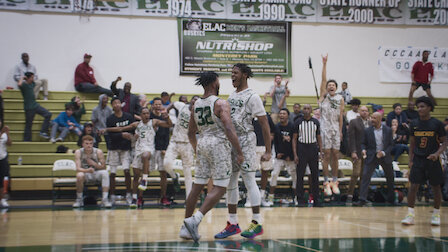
x=301, y=138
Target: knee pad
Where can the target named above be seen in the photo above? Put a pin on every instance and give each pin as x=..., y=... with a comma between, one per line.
x=252, y=188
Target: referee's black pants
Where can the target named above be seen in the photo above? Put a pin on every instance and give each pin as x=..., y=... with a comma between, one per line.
x=308, y=155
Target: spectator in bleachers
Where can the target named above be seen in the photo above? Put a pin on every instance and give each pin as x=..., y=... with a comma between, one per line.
x=422, y=75
x=332, y=119
x=376, y=147
x=346, y=93
x=306, y=144
x=26, y=85
x=296, y=113
x=143, y=101
x=411, y=113
x=120, y=148
x=129, y=101
x=65, y=123
x=26, y=66
x=400, y=136
x=397, y=114
x=284, y=155
x=99, y=116
x=353, y=113
x=316, y=113
x=5, y=140
x=85, y=81
x=88, y=131
x=162, y=139
x=278, y=93
x=356, y=130
x=78, y=108
x=91, y=167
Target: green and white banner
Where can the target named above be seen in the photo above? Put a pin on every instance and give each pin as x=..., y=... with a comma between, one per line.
x=216, y=45
x=382, y=12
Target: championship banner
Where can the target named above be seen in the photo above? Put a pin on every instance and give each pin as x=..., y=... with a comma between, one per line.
x=14, y=4
x=427, y=12
x=395, y=63
x=216, y=45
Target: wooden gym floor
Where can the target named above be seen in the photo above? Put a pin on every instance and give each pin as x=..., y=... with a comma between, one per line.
x=285, y=229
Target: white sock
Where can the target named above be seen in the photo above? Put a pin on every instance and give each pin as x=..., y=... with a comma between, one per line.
x=233, y=219
x=128, y=194
x=198, y=215
x=79, y=195
x=105, y=194
x=257, y=217
x=134, y=196
x=436, y=211
x=411, y=210
x=145, y=176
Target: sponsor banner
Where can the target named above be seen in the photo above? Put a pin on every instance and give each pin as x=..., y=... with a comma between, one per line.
x=84, y=6
x=14, y=4
x=51, y=5
x=361, y=11
x=275, y=10
x=427, y=12
x=216, y=45
x=395, y=63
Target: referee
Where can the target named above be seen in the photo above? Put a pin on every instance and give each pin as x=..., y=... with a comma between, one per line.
x=306, y=144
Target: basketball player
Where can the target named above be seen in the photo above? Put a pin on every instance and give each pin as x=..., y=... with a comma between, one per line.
x=179, y=145
x=145, y=131
x=424, y=150
x=245, y=105
x=332, y=111
x=211, y=119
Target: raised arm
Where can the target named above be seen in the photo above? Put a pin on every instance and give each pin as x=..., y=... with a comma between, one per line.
x=222, y=110
x=161, y=123
x=323, y=84
x=341, y=117
x=113, y=86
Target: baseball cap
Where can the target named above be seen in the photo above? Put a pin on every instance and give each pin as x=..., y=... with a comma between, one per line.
x=86, y=55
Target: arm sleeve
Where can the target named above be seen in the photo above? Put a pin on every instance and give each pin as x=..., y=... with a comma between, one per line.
x=114, y=88
x=256, y=106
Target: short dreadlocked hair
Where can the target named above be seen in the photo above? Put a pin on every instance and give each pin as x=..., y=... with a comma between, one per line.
x=206, y=78
x=245, y=69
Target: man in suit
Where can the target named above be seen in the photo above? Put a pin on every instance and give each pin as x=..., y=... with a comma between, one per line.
x=356, y=130
x=131, y=102
x=376, y=147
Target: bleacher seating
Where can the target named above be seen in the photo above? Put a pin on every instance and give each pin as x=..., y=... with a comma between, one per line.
x=35, y=172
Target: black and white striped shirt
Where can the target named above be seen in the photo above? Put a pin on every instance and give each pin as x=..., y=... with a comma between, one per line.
x=307, y=130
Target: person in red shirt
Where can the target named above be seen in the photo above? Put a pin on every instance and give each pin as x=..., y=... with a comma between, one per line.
x=422, y=75
x=85, y=81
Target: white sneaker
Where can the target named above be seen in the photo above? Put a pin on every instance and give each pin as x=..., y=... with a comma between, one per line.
x=113, y=198
x=265, y=203
x=271, y=200
x=395, y=166
x=327, y=189
x=106, y=203
x=247, y=204
x=192, y=224
x=335, y=188
x=409, y=219
x=78, y=203
x=128, y=199
x=53, y=140
x=435, y=219
x=4, y=203
x=184, y=234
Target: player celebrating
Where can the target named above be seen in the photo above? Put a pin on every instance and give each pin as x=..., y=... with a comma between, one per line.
x=179, y=145
x=424, y=151
x=212, y=120
x=245, y=105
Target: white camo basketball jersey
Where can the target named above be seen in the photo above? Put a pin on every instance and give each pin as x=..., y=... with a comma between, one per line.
x=209, y=125
x=146, y=134
x=245, y=105
x=180, y=131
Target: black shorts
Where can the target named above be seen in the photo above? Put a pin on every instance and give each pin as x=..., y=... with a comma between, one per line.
x=423, y=85
x=424, y=169
x=4, y=170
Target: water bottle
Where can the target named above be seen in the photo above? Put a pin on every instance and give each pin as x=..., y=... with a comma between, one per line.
x=19, y=160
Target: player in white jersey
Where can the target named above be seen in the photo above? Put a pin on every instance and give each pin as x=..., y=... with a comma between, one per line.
x=211, y=119
x=245, y=105
x=144, y=149
x=332, y=111
x=179, y=144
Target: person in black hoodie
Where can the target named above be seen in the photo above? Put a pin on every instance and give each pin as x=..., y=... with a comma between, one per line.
x=88, y=130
